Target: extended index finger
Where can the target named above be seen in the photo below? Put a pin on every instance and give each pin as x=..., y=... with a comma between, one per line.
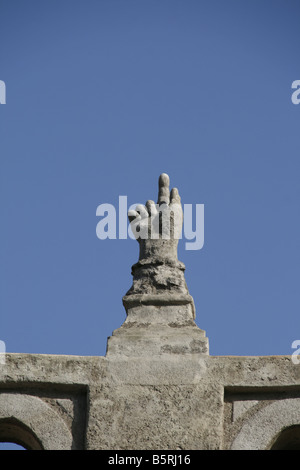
x=163, y=189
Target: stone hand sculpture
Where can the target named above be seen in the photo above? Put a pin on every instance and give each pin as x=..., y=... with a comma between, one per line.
x=160, y=310
x=157, y=227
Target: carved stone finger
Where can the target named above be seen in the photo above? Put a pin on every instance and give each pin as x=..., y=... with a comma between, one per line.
x=133, y=215
x=142, y=211
x=151, y=207
x=163, y=189
x=175, y=198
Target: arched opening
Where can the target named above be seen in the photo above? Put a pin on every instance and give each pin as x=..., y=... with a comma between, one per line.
x=288, y=439
x=14, y=432
x=30, y=422
x=11, y=446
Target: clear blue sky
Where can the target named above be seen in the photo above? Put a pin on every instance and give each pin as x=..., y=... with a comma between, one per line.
x=102, y=97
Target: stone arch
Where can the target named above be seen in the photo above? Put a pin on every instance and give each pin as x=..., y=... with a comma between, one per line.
x=261, y=430
x=13, y=430
x=29, y=421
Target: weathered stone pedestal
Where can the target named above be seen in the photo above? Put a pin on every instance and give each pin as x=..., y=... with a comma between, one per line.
x=158, y=324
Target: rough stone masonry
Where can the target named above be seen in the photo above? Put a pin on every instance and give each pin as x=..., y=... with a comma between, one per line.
x=157, y=387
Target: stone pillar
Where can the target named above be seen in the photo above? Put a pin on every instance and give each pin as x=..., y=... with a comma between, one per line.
x=160, y=310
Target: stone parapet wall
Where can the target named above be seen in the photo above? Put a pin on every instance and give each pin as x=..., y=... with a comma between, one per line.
x=173, y=402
